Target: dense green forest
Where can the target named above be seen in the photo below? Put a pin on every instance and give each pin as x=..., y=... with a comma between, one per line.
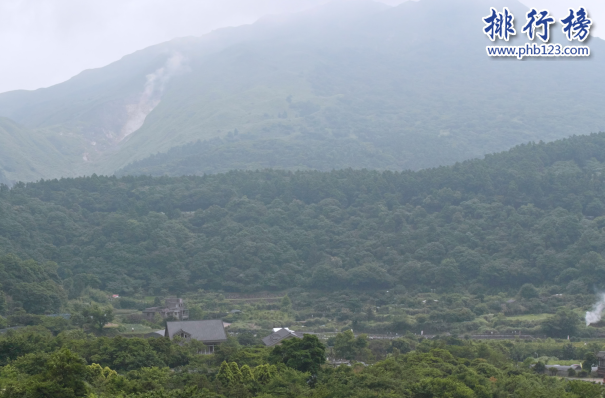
x=530, y=215
x=37, y=287
x=36, y=363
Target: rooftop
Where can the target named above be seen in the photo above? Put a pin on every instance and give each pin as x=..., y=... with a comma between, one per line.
x=209, y=330
x=280, y=335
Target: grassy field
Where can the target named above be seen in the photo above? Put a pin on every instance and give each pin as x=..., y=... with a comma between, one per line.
x=136, y=329
x=529, y=317
x=540, y=317
x=122, y=311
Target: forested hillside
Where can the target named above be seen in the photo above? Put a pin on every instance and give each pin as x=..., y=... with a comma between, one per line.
x=510, y=244
x=36, y=286
x=349, y=84
x=532, y=214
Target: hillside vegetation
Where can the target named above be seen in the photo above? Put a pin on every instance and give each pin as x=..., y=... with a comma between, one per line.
x=73, y=364
x=530, y=215
x=37, y=287
x=220, y=156
x=350, y=84
x=512, y=244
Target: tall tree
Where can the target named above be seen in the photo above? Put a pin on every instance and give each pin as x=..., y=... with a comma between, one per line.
x=306, y=354
x=98, y=316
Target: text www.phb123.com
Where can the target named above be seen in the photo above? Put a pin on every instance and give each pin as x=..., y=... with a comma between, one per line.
x=538, y=50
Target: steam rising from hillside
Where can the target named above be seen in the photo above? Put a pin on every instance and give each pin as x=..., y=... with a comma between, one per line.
x=594, y=316
x=152, y=94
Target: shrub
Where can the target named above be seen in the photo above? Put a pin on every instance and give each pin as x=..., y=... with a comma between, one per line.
x=528, y=291
x=480, y=309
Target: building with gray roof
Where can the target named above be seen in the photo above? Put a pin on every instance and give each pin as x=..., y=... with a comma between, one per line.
x=562, y=370
x=210, y=332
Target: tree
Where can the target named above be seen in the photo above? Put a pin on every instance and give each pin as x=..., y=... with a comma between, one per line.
x=196, y=313
x=225, y=376
x=2, y=303
x=370, y=314
x=38, y=298
x=592, y=266
x=305, y=355
x=80, y=282
x=96, y=373
x=402, y=324
x=585, y=390
x=402, y=345
x=590, y=360
x=247, y=339
x=595, y=208
x=528, y=291
x=564, y=323
x=442, y=388
x=65, y=377
x=237, y=374
x=264, y=373
x=539, y=367
x=286, y=303
x=99, y=316
x=346, y=346
x=247, y=376
x=227, y=349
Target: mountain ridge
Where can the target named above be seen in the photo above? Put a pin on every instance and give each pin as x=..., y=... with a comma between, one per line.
x=375, y=78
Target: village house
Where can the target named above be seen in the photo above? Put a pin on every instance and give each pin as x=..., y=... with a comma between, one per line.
x=210, y=332
x=279, y=335
x=174, y=308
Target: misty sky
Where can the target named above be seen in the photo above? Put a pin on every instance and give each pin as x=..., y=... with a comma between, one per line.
x=44, y=42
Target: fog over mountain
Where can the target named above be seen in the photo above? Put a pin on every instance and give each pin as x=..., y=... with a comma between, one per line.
x=349, y=84
x=65, y=37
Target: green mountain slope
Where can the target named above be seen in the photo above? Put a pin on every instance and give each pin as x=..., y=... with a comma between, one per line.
x=534, y=214
x=219, y=156
x=413, y=103
x=27, y=154
x=404, y=87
